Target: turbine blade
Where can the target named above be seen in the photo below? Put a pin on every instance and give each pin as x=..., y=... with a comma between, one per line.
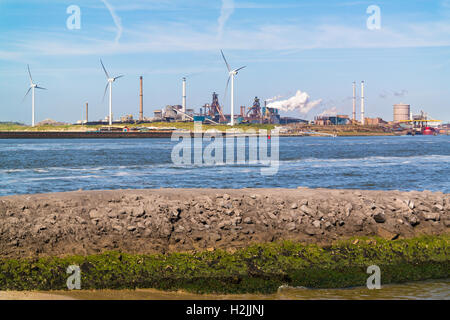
x=237, y=70
x=42, y=88
x=119, y=77
x=226, y=89
x=29, y=89
x=29, y=73
x=226, y=62
x=104, y=69
x=106, y=89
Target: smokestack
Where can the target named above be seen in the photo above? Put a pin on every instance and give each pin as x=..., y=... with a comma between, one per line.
x=354, y=102
x=141, y=96
x=242, y=111
x=363, y=119
x=184, y=98
x=87, y=112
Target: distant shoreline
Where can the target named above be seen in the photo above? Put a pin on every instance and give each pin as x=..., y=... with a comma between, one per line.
x=83, y=135
x=139, y=135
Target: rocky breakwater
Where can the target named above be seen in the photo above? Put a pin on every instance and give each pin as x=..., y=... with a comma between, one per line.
x=182, y=220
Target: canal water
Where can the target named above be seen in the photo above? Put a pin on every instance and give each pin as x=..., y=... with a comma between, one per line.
x=370, y=163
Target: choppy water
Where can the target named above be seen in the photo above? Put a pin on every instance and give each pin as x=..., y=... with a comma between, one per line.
x=372, y=163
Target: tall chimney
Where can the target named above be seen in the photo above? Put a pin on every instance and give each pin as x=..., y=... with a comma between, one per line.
x=354, y=102
x=87, y=112
x=363, y=119
x=184, y=98
x=141, y=96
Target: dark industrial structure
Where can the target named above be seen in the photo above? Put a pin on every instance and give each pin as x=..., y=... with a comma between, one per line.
x=332, y=120
x=213, y=111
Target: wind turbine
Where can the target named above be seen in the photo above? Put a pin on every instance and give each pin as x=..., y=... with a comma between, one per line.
x=231, y=75
x=32, y=87
x=109, y=84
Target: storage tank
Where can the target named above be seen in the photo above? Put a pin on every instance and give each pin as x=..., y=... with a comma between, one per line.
x=401, y=112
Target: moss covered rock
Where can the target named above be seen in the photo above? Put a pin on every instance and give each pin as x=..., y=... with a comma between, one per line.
x=256, y=269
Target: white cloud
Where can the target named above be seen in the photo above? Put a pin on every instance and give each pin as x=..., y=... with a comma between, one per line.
x=116, y=19
x=195, y=37
x=225, y=13
x=386, y=94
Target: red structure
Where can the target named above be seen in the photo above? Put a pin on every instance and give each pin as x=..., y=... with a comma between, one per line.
x=214, y=111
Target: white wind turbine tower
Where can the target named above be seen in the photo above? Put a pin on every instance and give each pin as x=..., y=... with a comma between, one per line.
x=110, y=82
x=32, y=87
x=232, y=74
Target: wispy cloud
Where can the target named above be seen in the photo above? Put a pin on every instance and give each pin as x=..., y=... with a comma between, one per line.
x=398, y=94
x=187, y=36
x=401, y=93
x=225, y=13
x=116, y=18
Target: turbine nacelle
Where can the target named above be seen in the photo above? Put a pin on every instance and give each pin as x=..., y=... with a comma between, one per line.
x=114, y=79
x=235, y=72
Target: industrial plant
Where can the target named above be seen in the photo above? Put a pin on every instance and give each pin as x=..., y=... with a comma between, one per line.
x=404, y=121
x=261, y=112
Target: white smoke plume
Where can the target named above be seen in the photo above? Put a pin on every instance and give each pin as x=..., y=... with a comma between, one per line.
x=225, y=13
x=273, y=99
x=116, y=19
x=329, y=112
x=300, y=102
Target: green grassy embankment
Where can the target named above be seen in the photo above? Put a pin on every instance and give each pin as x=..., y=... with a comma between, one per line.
x=178, y=125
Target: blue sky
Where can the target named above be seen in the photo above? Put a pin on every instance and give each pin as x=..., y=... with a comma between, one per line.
x=318, y=47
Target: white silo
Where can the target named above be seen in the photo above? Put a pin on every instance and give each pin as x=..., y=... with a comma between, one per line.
x=402, y=112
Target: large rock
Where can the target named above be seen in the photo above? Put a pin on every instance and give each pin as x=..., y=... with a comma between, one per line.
x=379, y=217
x=434, y=216
x=95, y=214
x=386, y=234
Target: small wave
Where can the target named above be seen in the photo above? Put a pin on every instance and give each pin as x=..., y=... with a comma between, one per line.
x=426, y=158
x=62, y=178
x=122, y=174
x=13, y=170
x=40, y=170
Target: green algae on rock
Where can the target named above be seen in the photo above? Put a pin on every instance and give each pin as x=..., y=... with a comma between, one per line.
x=255, y=269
